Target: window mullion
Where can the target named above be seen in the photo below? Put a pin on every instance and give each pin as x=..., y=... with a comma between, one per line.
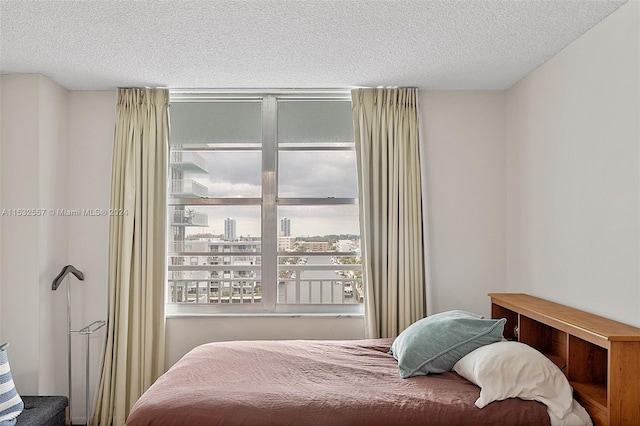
x=269, y=212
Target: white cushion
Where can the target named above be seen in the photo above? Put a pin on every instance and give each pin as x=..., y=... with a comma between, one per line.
x=514, y=370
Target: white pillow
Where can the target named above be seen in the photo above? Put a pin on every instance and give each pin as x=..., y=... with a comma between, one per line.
x=577, y=417
x=514, y=370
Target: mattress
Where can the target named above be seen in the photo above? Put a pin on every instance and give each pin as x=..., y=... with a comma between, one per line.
x=310, y=383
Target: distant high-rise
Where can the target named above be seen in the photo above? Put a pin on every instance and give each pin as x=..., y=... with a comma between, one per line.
x=230, y=229
x=285, y=227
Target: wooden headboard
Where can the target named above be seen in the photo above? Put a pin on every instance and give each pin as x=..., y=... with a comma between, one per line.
x=599, y=356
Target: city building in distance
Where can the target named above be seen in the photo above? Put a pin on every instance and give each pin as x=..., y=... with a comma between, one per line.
x=230, y=229
x=285, y=227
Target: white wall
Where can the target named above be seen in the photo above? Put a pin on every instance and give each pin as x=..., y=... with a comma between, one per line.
x=187, y=332
x=463, y=134
x=34, y=248
x=20, y=235
x=573, y=169
x=52, y=233
x=91, y=127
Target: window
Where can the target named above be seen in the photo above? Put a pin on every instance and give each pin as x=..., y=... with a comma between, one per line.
x=263, y=213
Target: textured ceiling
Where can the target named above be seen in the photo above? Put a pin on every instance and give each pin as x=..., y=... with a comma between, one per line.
x=451, y=44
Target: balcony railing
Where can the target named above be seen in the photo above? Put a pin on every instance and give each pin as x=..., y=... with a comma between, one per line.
x=189, y=218
x=231, y=290
x=189, y=162
x=296, y=284
x=320, y=284
x=187, y=188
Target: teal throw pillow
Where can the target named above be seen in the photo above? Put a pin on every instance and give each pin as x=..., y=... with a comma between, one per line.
x=435, y=343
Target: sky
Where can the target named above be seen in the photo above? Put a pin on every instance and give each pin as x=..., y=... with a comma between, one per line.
x=301, y=174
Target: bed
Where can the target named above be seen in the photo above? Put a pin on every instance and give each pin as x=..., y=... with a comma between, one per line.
x=314, y=383
x=325, y=383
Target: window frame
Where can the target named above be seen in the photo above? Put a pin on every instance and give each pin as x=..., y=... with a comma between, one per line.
x=268, y=204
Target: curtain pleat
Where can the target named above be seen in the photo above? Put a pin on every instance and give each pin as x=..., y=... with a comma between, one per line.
x=390, y=198
x=134, y=350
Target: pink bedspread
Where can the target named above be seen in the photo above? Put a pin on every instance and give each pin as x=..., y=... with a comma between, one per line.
x=315, y=383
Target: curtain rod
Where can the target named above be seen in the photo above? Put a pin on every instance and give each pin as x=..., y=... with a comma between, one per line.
x=195, y=94
x=181, y=94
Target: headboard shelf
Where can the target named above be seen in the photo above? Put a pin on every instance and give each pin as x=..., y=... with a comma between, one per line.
x=599, y=356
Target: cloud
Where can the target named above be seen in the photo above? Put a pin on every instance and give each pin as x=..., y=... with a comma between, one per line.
x=317, y=174
x=301, y=174
x=233, y=190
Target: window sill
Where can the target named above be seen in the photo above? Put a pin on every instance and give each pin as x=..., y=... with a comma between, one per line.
x=264, y=315
x=258, y=310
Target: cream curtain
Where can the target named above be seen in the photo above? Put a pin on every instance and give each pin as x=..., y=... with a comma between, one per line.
x=387, y=149
x=134, y=351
